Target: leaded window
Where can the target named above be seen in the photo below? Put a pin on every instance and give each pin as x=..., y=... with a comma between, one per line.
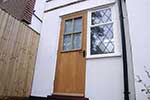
x=72, y=34
x=101, y=32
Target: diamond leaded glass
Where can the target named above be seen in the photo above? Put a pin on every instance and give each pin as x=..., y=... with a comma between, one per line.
x=101, y=16
x=101, y=39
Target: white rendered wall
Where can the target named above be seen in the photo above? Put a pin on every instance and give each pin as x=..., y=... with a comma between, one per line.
x=57, y=3
x=39, y=8
x=36, y=24
x=104, y=79
x=104, y=76
x=139, y=24
x=46, y=58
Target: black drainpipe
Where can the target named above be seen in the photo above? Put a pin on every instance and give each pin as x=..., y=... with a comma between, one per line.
x=124, y=52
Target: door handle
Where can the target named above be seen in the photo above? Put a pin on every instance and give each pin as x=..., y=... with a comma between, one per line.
x=83, y=53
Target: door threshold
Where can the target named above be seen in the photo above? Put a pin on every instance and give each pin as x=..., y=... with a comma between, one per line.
x=66, y=96
x=69, y=94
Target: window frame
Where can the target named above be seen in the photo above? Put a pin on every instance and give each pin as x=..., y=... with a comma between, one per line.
x=116, y=32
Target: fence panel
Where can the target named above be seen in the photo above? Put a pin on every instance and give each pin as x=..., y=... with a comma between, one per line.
x=18, y=48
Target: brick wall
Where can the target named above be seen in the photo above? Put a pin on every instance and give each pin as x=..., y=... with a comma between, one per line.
x=21, y=9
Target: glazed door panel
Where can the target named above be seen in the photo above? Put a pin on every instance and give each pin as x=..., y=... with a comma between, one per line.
x=70, y=68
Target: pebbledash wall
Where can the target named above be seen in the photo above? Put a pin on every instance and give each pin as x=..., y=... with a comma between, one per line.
x=104, y=75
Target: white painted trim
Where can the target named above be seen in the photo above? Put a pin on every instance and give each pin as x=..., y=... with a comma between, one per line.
x=101, y=24
x=104, y=56
x=116, y=30
x=92, y=7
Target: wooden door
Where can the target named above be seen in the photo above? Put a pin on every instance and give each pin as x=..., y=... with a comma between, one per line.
x=70, y=68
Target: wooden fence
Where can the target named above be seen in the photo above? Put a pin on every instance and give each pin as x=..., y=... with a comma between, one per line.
x=18, y=48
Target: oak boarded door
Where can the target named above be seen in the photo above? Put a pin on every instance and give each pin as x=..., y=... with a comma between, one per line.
x=70, y=68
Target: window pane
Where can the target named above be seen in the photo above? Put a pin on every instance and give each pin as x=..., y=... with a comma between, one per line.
x=101, y=16
x=77, y=41
x=78, y=24
x=67, y=42
x=101, y=39
x=68, y=26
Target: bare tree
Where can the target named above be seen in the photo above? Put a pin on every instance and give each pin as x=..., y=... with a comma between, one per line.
x=146, y=86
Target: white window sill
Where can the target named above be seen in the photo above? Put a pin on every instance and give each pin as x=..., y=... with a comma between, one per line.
x=102, y=56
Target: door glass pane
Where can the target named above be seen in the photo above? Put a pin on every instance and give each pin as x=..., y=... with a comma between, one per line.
x=67, y=42
x=68, y=26
x=78, y=24
x=77, y=41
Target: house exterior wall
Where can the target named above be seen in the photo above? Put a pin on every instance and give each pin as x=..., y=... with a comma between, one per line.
x=139, y=23
x=104, y=79
x=57, y=3
x=104, y=76
x=11, y=5
x=37, y=17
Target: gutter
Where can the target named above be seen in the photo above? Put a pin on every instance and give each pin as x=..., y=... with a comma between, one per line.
x=64, y=5
x=124, y=51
